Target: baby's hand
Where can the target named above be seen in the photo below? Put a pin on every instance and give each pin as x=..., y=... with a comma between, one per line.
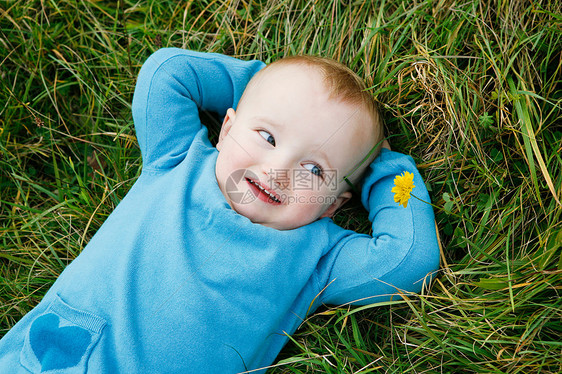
x=386, y=144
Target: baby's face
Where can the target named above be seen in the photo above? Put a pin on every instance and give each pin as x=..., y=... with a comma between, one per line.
x=283, y=154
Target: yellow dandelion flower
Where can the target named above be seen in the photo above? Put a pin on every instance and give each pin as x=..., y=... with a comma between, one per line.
x=404, y=184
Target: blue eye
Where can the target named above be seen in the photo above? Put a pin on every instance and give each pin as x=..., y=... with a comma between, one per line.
x=267, y=136
x=314, y=169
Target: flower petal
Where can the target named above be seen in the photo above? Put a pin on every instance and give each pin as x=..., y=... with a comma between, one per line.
x=403, y=185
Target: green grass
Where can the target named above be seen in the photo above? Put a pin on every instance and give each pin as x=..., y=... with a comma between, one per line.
x=472, y=90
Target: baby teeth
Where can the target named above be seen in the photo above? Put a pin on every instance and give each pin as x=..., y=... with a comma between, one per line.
x=264, y=190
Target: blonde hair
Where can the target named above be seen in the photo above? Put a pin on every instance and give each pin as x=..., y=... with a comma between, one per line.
x=342, y=83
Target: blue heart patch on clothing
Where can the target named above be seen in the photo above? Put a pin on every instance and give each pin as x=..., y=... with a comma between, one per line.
x=57, y=347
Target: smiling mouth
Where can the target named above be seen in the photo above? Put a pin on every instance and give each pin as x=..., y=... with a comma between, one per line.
x=271, y=197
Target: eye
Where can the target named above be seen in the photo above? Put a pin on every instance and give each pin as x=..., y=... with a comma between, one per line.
x=314, y=169
x=267, y=136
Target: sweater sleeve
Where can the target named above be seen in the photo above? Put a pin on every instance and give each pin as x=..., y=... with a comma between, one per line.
x=401, y=252
x=173, y=85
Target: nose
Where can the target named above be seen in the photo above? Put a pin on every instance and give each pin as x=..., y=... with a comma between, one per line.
x=278, y=172
x=279, y=178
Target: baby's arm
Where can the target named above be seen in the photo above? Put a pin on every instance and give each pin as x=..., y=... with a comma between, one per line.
x=172, y=86
x=402, y=250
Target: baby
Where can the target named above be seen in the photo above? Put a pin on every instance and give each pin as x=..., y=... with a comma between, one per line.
x=217, y=255
x=301, y=118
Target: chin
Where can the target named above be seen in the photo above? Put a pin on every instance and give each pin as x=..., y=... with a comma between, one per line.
x=283, y=225
x=277, y=225
x=257, y=216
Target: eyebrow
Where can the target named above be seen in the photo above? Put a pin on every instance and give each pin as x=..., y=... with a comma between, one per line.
x=266, y=120
x=323, y=156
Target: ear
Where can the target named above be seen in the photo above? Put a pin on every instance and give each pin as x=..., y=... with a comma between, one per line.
x=226, y=125
x=340, y=201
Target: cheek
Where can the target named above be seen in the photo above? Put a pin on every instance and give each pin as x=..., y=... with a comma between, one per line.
x=231, y=157
x=310, y=206
x=303, y=216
